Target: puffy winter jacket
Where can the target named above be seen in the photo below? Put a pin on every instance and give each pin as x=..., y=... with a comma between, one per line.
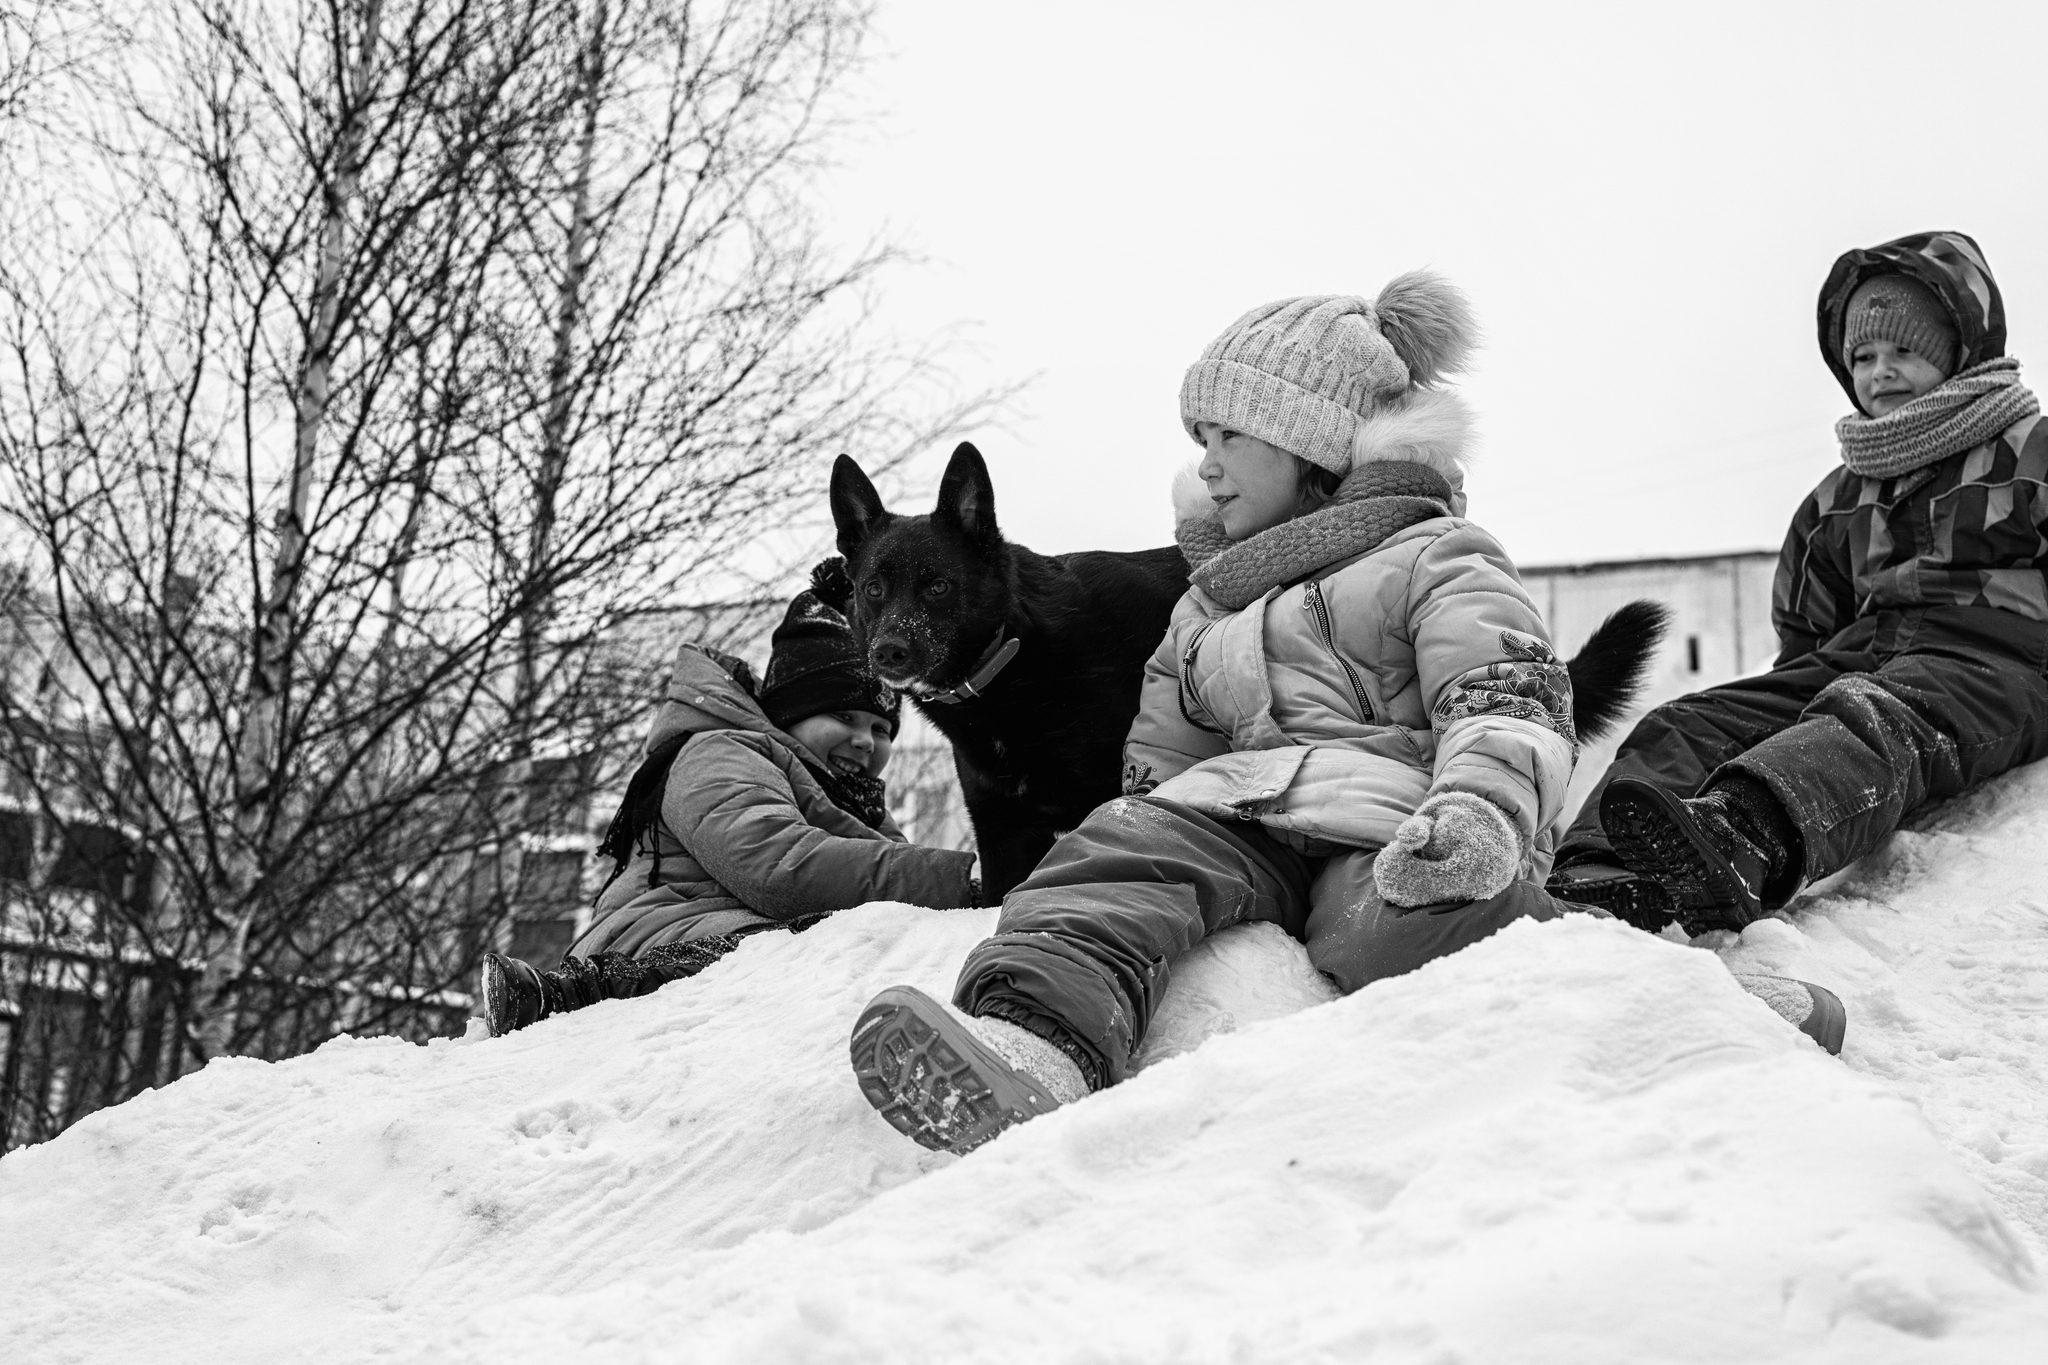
x=1969, y=530
x=747, y=837
x=1332, y=707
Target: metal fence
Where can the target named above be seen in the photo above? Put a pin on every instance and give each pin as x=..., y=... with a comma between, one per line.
x=81, y=1029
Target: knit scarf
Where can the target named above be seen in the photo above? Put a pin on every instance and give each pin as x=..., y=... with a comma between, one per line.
x=1374, y=501
x=1961, y=413
x=865, y=798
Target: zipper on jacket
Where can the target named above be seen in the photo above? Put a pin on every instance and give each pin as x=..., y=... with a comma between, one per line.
x=1188, y=691
x=1312, y=601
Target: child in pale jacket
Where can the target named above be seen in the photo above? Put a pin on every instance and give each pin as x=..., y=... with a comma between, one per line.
x=756, y=808
x=1355, y=727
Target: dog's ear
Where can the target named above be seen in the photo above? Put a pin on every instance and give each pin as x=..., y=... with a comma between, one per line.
x=856, y=507
x=967, y=499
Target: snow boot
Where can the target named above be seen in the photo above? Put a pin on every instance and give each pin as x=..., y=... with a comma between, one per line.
x=950, y=1083
x=514, y=994
x=1814, y=1010
x=1714, y=855
x=1613, y=888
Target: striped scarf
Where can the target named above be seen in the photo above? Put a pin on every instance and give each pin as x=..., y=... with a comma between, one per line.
x=1374, y=501
x=1959, y=414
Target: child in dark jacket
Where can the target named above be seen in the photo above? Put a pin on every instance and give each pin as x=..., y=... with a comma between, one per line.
x=750, y=813
x=1911, y=608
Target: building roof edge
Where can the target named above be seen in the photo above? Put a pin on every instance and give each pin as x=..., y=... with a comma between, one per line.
x=1658, y=562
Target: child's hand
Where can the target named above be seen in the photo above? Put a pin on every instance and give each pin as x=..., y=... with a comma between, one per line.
x=1456, y=847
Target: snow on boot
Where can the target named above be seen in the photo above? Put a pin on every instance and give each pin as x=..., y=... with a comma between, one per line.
x=1814, y=1010
x=1621, y=893
x=949, y=1083
x=1713, y=874
x=513, y=995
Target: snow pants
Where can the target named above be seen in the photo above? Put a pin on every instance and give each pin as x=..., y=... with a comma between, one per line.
x=581, y=981
x=1900, y=709
x=1086, y=944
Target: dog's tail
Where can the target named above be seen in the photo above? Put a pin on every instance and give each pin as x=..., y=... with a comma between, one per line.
x=1608, y=671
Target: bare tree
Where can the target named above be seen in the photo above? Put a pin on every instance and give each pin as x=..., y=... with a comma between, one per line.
x=375, y=365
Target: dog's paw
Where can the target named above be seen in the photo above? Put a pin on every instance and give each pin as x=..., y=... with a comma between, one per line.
x=831, y=584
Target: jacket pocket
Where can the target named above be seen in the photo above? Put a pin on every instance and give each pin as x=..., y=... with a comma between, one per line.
x=1313, y=602
x=1243, y=785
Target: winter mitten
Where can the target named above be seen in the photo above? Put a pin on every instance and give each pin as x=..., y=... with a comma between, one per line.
x=949, y=1083
x=1456, y=847
x=1714, y=855
x=1613, y=888
x=1814, y=1010
x=513, y=994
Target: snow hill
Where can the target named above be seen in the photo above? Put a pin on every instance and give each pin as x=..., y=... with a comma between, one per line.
x=1573, y=1143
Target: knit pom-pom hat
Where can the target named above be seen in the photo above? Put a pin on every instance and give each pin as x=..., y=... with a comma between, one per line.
x=1306, y=374
x=1903, y=311
x=815, y=665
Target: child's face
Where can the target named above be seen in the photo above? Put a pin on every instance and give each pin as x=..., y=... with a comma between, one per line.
x=1887, y=375
x=1254, y=485
x=848, y=741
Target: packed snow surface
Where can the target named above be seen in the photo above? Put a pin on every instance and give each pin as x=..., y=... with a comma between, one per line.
x=1571, y=1143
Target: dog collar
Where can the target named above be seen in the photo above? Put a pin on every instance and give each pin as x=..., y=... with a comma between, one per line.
x=993, y=660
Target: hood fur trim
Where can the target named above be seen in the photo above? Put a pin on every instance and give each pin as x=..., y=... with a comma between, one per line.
x=1191, y=500
x=1430, y=427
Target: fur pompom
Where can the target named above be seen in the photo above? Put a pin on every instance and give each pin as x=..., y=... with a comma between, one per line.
x=1429, y=323
x=831, y=584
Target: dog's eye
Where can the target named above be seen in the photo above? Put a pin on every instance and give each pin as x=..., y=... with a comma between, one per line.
x=938, y=587
x=873, y=589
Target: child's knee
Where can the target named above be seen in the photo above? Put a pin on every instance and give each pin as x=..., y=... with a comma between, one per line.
x=1358, y=940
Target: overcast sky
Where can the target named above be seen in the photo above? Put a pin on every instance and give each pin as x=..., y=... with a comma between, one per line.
x=1641, y=202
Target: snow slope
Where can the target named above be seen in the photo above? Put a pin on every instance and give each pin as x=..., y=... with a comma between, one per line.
x=1571, y=1143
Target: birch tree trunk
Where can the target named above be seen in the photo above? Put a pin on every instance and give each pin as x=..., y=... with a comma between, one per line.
x=256, y=750
x=537, y=609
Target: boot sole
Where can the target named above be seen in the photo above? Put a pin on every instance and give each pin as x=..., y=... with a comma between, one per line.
x=1656, y=837
x=497, y=996
x=935, y=1082
x=1634, y=900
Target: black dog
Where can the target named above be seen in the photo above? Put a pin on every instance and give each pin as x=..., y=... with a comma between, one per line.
x=1031, y=664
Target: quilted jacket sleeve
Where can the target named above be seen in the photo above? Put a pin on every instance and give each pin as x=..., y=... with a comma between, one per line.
x=1166, y=739
x=732, y=806
x=1499, y=700
x=1814, y=595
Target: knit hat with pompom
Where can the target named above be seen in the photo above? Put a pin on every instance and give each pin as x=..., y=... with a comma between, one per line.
x=815, y=665
x=1304, y=374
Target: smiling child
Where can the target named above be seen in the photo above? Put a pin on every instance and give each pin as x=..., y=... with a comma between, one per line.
x=755, y=809
x=1911, y=609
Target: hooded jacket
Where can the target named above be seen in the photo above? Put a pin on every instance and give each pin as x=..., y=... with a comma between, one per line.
x=1970, y=530
x=1334, y=706
x=747, y=838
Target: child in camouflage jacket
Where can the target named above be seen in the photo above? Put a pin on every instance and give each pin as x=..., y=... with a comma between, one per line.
x=1910, y=604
